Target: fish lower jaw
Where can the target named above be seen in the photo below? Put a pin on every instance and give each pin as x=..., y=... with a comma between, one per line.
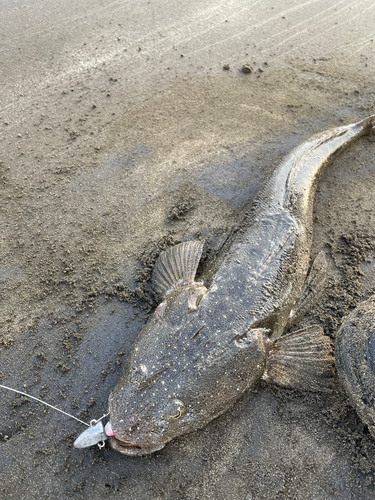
x=133, y=449
x=126, y=448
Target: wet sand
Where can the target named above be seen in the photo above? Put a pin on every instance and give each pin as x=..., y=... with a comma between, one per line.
x=121, y=134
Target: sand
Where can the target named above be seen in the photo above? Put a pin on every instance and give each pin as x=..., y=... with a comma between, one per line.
x=127, y=127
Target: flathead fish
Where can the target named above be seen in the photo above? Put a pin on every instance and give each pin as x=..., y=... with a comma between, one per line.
x=206, y=344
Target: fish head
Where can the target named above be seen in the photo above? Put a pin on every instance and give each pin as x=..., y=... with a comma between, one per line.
x=178, y=377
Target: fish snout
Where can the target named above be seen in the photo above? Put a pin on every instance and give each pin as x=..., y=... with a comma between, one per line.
x=127, y=447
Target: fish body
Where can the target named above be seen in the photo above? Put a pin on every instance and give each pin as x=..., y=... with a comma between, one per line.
x=207, y=344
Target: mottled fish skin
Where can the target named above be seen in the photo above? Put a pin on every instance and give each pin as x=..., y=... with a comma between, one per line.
x=188, y=365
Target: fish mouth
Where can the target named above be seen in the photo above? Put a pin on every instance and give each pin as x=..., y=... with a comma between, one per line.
x=133, y=449
x=129, y=448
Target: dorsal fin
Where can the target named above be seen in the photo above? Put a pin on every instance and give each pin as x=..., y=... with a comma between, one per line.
x=176, y=267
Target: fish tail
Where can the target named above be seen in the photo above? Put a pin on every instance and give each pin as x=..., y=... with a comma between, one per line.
x=367, y=123
x=302, y=359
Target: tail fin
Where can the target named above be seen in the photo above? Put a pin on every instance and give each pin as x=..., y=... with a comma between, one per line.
x=301, y=359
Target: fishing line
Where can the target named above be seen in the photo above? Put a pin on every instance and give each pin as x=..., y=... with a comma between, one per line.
x=53, y=407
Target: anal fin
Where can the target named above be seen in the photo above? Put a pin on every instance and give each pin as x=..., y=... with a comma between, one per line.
x=302, y=359
x=312, y=291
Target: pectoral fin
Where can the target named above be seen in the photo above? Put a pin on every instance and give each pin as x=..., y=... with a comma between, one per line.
x=176, y=267
x=301, y=359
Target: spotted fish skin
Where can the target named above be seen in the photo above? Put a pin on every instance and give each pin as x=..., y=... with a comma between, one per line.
x=207, y=344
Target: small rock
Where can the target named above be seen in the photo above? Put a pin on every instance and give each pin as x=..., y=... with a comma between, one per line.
x=226, y=67
x=246, y=68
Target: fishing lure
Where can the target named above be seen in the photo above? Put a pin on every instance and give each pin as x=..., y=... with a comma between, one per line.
x=93, y=435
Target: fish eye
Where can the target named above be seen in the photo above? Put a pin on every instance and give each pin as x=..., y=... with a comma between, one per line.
x=160, y=310
x=195, y=297
x=139, y=373
x=174, y=410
